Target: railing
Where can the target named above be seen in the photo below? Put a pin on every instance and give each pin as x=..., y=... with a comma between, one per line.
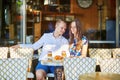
x=101, y=44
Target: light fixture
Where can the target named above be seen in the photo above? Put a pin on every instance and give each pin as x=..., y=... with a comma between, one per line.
x=46, y=2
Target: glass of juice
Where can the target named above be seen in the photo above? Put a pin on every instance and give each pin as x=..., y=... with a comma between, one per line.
x=63, y=54
x=49, y=55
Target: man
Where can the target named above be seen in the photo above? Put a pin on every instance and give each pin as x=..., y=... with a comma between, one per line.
x=53, y=42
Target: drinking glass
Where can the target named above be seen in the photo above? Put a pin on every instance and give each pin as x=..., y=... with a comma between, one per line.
x=63, y=54
x=49, y=55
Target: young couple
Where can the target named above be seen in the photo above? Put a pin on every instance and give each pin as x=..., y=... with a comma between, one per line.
x=76, y=45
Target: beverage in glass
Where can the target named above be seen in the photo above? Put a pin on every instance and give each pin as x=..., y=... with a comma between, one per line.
x=63, y=54
x=49, y=55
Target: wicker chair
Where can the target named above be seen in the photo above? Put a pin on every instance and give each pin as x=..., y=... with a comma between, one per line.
x=116, y=52
x=111, y=65
x=23, y=53
x=100, y=53
x=3, y=52
x=13, y=69
x=73, y=67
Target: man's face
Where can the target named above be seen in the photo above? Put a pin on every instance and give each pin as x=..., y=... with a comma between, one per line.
x=60, y=28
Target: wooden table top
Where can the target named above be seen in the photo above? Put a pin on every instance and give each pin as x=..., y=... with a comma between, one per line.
x=99, y=76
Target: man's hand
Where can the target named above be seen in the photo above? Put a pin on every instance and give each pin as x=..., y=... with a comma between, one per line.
x=15, y=46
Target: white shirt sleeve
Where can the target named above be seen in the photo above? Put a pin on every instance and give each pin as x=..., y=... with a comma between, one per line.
x=36, y=45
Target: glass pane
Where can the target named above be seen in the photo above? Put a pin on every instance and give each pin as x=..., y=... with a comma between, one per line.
x=117, y=23
x=11, y=19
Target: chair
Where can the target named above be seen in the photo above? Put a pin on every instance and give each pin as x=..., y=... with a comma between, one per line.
x=23, y=53
x=73, y=67
x=50, y=76
x=116, y=52
x=110, y=65
x=3, y=52
x=100, y=53
x=13, y=69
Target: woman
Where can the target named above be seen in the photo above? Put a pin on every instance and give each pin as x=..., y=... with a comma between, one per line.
x=78, y=42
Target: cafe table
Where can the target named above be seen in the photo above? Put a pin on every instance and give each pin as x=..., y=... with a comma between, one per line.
x=99, y=76
x=52, y=63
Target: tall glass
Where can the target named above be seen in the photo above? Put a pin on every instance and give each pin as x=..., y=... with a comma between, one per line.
x=63, y=54
x=49, y=55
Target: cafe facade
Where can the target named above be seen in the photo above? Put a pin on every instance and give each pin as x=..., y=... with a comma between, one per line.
x=25, y=21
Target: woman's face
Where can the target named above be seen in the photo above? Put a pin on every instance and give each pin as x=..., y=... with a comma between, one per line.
x=73, y=28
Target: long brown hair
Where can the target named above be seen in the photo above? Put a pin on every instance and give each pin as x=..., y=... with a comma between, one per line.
x=79, y=31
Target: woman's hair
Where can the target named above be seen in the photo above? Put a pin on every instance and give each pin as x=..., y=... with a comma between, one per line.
x=79, y=31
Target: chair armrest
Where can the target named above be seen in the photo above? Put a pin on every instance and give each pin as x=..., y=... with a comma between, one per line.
x=30, y=75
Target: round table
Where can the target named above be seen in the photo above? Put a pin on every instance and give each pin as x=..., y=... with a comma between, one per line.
x=99, y=76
